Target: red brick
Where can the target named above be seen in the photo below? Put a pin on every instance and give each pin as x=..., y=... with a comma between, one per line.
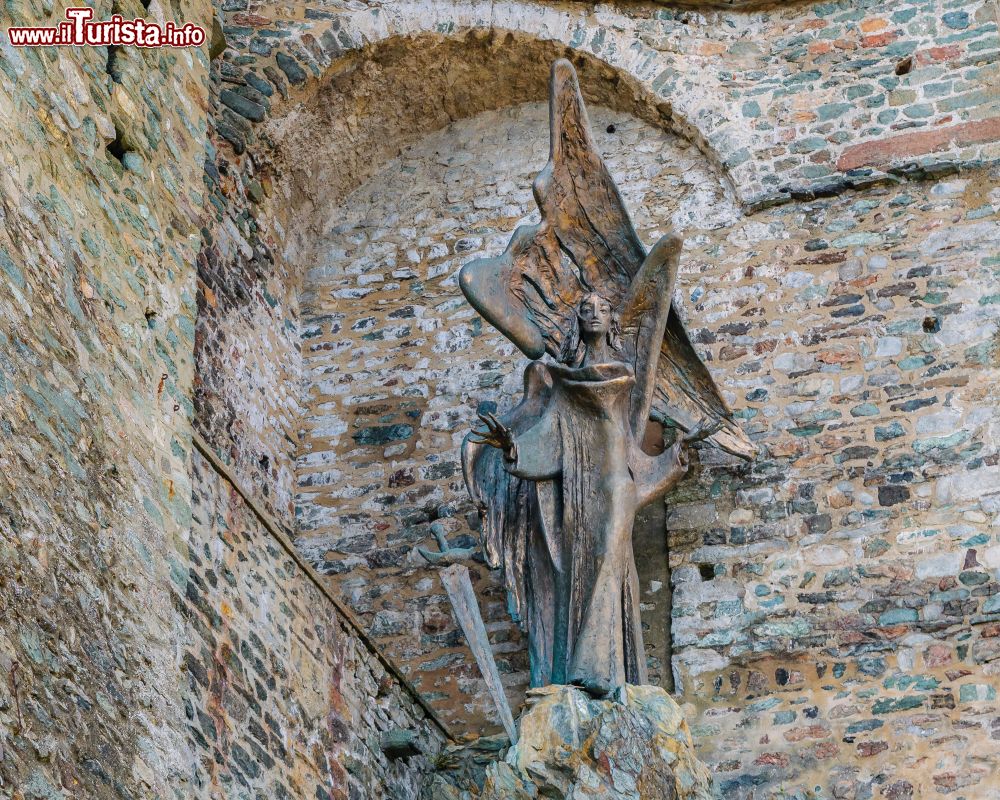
x=868, y=749
x=933, y=54
x=817, y=731
x=908, y=145
x=772, y=760
x=252, y=20
x=825, y=750
x=879, y=39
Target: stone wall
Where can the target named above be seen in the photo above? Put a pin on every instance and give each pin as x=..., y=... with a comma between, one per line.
x=155, y=641
x=834, y=617
x=100, y=180
x=247, y=391
x=295, y=700
x=284, y=701
x=793, y=103
x=794, y=100
x=840, y=591
x=836, y=604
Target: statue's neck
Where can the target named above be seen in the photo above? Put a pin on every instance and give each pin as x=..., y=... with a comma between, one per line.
x=596, y=351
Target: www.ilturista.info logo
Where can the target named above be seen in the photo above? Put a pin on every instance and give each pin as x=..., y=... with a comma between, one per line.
x=78, y=30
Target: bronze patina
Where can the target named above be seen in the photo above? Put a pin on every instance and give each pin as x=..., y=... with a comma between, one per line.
x=558, y=479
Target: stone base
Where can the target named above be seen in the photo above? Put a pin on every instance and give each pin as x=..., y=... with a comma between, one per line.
x=633, y=746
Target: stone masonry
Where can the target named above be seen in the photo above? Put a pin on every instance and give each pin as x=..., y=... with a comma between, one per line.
x=257, y=253
x=155, y=641
x=397, y=363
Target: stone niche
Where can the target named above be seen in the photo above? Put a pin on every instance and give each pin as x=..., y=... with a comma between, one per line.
x=396, y=362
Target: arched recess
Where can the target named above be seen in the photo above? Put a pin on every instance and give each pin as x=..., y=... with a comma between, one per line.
x=317, y=113
x=370, y=104
x=379, y=432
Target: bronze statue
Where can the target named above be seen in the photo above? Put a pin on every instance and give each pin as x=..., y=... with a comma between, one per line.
x=559, y=478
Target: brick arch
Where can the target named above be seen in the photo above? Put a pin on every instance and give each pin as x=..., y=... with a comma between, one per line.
x=407, y=72
x=307, y=54
x=373, y=102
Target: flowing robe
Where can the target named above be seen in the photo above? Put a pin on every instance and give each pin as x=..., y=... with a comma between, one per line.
x=572, y=551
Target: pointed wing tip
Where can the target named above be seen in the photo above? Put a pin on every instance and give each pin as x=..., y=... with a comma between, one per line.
x=734, y=441
x=668, y=247
x=562, y=71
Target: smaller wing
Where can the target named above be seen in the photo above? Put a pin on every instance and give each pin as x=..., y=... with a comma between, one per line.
x=645, y=312
x=672, y=382
x=686, y=393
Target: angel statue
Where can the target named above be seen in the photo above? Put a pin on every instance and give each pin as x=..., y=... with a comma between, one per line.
x=559, y=478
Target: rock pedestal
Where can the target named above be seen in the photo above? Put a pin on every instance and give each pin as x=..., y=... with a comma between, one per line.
x=632, y=746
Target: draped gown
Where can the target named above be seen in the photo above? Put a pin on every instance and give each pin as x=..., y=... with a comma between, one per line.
x=574, y=484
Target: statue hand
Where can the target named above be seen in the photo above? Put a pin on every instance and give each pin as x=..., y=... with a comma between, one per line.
x=702, y=430
x=496, y=435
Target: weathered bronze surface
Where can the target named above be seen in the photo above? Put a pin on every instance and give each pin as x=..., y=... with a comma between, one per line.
x=559, y=478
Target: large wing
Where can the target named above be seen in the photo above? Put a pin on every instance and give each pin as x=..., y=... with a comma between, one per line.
x=579, y=198
x=586, y=242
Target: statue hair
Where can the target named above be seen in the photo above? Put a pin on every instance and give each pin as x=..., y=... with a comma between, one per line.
x=572, y=349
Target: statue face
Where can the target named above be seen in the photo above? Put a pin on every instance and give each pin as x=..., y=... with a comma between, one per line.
x=595, y=315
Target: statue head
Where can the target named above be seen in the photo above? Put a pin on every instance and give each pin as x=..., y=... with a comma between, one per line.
x=594, y=316
x=594, y=323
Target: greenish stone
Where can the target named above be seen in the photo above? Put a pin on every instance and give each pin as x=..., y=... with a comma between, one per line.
x=859, y=90
x=972, y=692
x=864, y=726
x=763, y=705
x=973, y=578
x=11, y=269
x=829, y=111
x=956, y=20
x=38, y=787
x=941, y=443
x=807, y=430
x=919, y=111
x=807, y=144
x=915, y=362
x=815, y=171
x=857, y=239
x=891, y=431
x=898, y=616
x=894, y=705
x=924, y=683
